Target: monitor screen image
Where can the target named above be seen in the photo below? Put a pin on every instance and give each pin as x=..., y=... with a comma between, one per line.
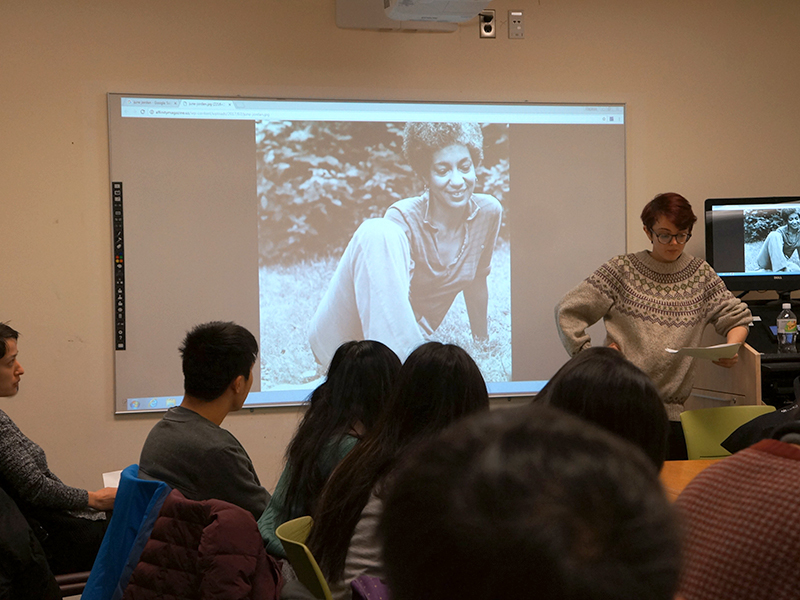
x=752, y=243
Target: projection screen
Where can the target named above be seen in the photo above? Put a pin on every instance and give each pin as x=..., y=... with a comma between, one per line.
x=239, y=209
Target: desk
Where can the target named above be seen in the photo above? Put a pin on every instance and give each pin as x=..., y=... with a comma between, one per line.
x=676, y=474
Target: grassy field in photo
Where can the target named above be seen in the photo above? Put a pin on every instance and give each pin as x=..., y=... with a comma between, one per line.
x=291, y=294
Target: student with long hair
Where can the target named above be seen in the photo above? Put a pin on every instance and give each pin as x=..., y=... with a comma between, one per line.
x=437, y=385
x=345, y=406
x=602, y=386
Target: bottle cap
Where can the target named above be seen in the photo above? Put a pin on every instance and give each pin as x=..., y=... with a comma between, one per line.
x=787, y=306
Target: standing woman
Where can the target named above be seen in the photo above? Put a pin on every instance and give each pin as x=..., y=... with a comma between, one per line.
x=66, y=519
x=656, y=299
x=399, y=274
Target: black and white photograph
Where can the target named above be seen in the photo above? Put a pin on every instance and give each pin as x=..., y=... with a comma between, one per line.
x=389, y=231
x=772, y=239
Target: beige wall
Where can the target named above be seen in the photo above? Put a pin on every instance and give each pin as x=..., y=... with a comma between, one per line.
x=712, y=90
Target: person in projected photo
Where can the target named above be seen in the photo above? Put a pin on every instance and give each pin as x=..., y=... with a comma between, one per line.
x=656, y=299
x=400, y=274
x=781, y=244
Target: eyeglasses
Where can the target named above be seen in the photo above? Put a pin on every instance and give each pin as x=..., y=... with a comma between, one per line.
x=666, y=238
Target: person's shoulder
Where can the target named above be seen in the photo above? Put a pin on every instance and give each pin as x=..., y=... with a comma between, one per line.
x=488, y=203
x=408, y=205
x=701, y=267
x=5, y=420
x=621, y=261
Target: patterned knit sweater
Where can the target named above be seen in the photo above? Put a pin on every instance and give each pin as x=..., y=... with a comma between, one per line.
x=25, y=476
x=648, y=306
x=741, y=536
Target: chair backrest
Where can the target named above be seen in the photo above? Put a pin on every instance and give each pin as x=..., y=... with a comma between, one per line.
x=24, y=572
x=706, y=428
x=293, y=535
x=204, y=549
x=136, y=508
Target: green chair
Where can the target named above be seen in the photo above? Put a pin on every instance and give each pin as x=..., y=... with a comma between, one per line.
x=706, y=428
x=293, y=535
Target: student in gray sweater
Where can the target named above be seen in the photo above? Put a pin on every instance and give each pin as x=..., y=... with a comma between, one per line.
x=67, y=520
x=188, y=449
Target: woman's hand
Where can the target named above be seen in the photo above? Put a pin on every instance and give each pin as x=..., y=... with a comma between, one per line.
x=103, y=499
x=726, y=362
x=737, y=335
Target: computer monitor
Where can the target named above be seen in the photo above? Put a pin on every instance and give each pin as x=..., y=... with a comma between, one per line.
x=752, y=243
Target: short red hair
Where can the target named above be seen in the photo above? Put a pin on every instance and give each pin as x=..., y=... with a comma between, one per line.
x=673, y=206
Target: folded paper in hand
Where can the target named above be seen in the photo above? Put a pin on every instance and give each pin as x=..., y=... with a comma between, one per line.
x=709, y=352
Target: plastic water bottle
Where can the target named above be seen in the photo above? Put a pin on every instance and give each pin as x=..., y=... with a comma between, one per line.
x=787, y=329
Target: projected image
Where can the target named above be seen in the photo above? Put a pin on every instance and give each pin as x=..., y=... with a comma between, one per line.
x=772, y=239
x=388, y=231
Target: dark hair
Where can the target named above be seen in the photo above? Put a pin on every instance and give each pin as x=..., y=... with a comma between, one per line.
x=673, y=206
x=214, y=354
x=6, y=333
x=789, y=212
x=528, y=504
x=422, y=140
x=437, y=385
x=602, y=386
x=360, y=378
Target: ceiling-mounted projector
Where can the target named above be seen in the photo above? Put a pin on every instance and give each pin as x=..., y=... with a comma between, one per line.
x=447, y=11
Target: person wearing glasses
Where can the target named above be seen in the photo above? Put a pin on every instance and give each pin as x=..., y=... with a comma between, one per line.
x=656, y=299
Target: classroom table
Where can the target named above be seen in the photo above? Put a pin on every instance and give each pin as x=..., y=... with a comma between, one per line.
x=676, y=474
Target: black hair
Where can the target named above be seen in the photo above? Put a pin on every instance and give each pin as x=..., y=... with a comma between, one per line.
x=600, y=385
x=422, y=140
x=437, y=385
x=213, y=355
x=6, y=333
x=360, y=378
x=521, y=503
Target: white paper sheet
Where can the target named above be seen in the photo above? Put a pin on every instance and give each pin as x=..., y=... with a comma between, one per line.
x=111, y=479
x=709, y=352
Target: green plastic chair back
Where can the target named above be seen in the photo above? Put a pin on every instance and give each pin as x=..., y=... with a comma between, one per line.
x=706, y=428
x=293, y=535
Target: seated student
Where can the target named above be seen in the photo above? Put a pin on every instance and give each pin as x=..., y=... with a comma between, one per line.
x=522, y=503
x=600, y=385
x=24, y=572
x=437, y=385
x=188, y=449
x=341, y=410
x=66, y=520
x=741, y=537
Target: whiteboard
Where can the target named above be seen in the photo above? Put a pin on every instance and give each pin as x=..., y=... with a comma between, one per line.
x=194, y=239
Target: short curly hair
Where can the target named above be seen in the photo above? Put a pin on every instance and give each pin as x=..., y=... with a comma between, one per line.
x=788, y=212
x=421, y=140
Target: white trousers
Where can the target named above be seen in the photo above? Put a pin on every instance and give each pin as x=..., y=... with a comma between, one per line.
x=368, y=296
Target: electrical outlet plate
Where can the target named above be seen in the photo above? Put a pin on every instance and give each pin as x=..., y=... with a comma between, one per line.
x=516, y=25
x=487, y=22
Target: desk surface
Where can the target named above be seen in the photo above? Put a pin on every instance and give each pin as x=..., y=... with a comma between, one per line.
x=676, y=474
